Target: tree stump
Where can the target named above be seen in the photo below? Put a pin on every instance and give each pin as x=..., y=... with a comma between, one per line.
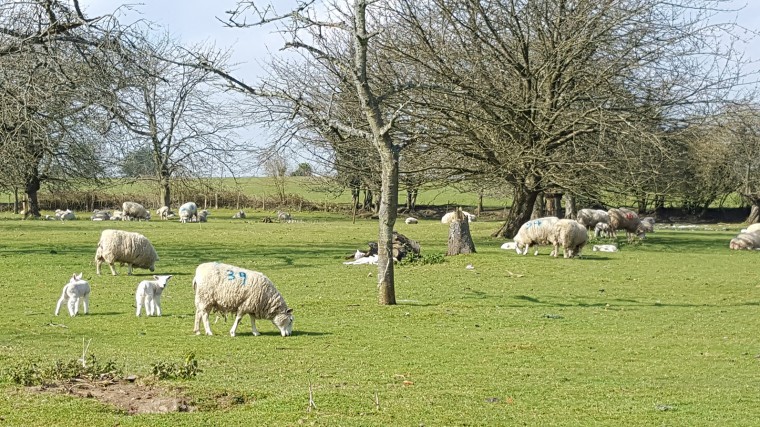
x=460, y=240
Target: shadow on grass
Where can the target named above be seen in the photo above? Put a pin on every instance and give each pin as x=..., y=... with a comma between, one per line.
x=619, y=302
x=277, y=334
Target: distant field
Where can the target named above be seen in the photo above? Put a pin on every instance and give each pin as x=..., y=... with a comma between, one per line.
x=663, y=332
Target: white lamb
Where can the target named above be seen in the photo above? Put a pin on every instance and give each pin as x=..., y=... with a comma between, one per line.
x=117, y=215
x=283, y=216
x=66, y=215
x=164, y=212
x=133, y=210
x=449, y=217
x=569, y=234
x=748, y=241
x=602, y=229
x=125, y=247
x=148, y=293
x=228, y=289
x=98, y=215
x=589, y=218
x=534, y=232
x=239, y=215
x=411, y=220
x=752, y=228
x=73, y=292
x=188, y=212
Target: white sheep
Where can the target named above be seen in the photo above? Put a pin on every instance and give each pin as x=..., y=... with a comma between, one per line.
x=604, y=248
x=411, y=220
x=75, y=291
x=117, y=215
x=228, y=289
x=602, y=229
x=188, y=212
x=98, y=215
x=239, y=215
x=164, y=212
x=203, y=215
x=534, y=232
x=569, y=234
x=283, y=216
x=746, y=241
x=450, y=216
x=66, y=215
x=134, y=210
x=752, y=228
x=647, y=226
x=148, y=293
x=125, y=247
x=625, y=219
x=589, y=218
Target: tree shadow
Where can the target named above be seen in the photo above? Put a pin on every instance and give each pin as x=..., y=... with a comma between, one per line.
x=621, y=302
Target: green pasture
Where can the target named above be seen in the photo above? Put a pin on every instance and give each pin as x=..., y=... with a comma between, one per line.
x=664, y=332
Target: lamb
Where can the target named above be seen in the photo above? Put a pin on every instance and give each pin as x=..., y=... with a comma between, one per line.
x=164, y=212
x=228, y=289
x=66, y=215
x=746, y=241
x=73, y=292
x=571, y=235
x=411, y=220
x=203, y=215
x=133, y=210
x=449, y=217
x=534, y=232
x=148, y=293
x=283, y=216
x=239, y=215
x=589, y=218
x=188, y=212
x=627, y=220
x=602, y=229
x=117, y=215
x=125, y=247
x=98, y=215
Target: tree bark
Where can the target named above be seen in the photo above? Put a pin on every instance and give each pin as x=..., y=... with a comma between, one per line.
x=387, y=220
x=166, y=191
x=570, y=212
x=754, y=213
x=460, y=239
x=522, y=206
x=31, y=188
x=539, y=206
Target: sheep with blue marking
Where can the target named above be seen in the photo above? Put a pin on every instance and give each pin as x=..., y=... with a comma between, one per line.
x=188, y=212
x=226, y=288
x=534, y=233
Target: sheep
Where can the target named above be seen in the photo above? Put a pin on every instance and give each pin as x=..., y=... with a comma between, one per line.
x=752, y=228
x=571, y=235
x=411, y=220
x=125, y=247
x=283, y=216
x=203, y=215
x=117, y=215
x=164, y=212
x=605, y=248
x=627, y=220
x=647, y=226
x=66, y=215
x=133, y=210
x=602, y=229
x=73, y=292
x=534, y=232
x=747, y=241
x=98, y=215
x=188, y=212
x=239, y=215
x=449, y=217
x=589, y=218
x=148, y=293
x=229, y=289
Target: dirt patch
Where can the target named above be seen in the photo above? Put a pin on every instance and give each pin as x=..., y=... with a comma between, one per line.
x=126, y=395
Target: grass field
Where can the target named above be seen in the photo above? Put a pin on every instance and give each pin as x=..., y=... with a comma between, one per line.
x=661, y=333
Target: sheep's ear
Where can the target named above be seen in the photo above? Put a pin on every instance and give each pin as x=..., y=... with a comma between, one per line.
x=169, y=276
x=155, y=277
x=289, y=311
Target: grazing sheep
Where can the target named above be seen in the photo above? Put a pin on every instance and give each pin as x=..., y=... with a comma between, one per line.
x=534, y=232
x=411, y=220
x=148, y=293
x=188, y=212
x=752, y=228
x=228, y=289
x=589, y=218
x=98, y=215
x=449, y=217
x=569, y=234
x=746, y=241
x=203, y=215
x=117, y=215
x=602, y=229
x=133, y=210
x=283, y=216
x=164, y=212
x=239, y=215
x=73, y=292
x=647, y=226
x=125, y=247
x=625, y=219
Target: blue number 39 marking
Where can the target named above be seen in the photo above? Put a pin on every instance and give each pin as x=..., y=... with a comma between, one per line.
x=241, y=274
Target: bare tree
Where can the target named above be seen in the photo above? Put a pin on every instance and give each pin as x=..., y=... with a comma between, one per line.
x=276, y=168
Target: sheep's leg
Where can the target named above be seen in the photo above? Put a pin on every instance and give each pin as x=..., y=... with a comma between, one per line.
x=149, y=306
x=205, y=323
x=97, y=265
x=72, y=307
x=86, y=303
x=60, y=301
x=113, y=271
x=197, y=325
x=157, y=305
x=129, y=269
x=253, y=326
x=238, y=316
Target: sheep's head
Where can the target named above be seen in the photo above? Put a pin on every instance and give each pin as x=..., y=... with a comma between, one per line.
x=284, y=322
x=162, y=280
x=75, y=277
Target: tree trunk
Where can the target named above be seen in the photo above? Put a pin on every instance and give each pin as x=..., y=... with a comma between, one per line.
x=460, y=239
x=368, y=196
x=570, y=212
x=15, y=200
x=754, y=213
x=479, y=209
x=166, y=190
x=522, y=206
x=387, y=220
x=539, y=206
x=31, y=188
x=553, y=204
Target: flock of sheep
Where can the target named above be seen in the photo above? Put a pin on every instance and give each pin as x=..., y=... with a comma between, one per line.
x=218, y=287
